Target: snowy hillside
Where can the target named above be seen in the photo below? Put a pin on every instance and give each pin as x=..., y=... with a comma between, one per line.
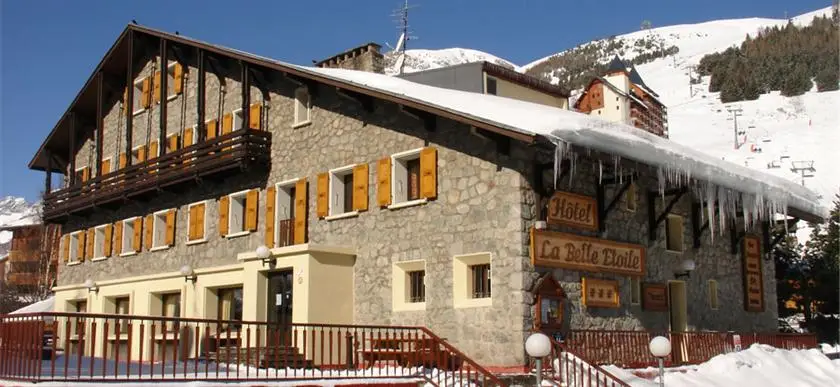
x=419, y=60
x=14, y=212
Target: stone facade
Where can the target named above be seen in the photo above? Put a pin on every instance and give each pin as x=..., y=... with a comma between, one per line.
x=363, y=58
x=485, y=203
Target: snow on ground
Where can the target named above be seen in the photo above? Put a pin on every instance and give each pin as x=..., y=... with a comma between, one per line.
x=421, y=60
x=757, y=366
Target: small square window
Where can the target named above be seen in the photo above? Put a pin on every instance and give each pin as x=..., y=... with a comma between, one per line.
x=491, y=85
x=674, y=233
x=406, y=177
x=236, y=221
x=341, y=190
x=159, y=229
x=409, y=285
x=128, y=236
x=635, y=291
x=303, y=107
x=480, y=284
x=237, y=119
x=417, y=286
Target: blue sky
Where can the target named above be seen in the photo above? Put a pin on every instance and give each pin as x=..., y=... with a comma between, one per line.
x=49, y=48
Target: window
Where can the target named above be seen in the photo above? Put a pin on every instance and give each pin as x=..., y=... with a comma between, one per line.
x=491, y=85
x=170, y=307
x=174, y=76
x=237, y=119
x=138, y=154
x=130, y=232
x=121, y=306
x=139, y=95
x=285, y=213
x=480, y=280
x=713, y=294
x=635, y=291
x=236, y=223
x=471, y=280
x=630, y=198
x=417, y=286
x=406, y=177
x=159, y=228
x=409, y=285
x=82, y=175
x=674, y=233
x=80, y=306
x=229, y=307
x=341, y=190
x=197, y=222
x=75, y=244
x=99, y=241
x=303, y=109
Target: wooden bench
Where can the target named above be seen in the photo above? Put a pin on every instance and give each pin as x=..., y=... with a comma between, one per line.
x=408, y=352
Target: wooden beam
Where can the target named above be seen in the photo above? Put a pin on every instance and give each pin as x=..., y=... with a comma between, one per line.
x=48, y=182
x=696, y=227
x=365, y=100
x=245, y=79
x=655, y=220
x=201, y=95
x=164, y=96
x=72, y=150
x=100, y=121
x=604, y=211
x=429, y=120
x=129, y=100
x=735, y=237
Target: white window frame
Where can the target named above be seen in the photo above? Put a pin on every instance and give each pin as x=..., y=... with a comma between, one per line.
x=170, y=81
x=237, y=120
x=401, y=285
x=462, y=280
x=137, y=97
x=189, y=215
x=98, y=243
x=681, y=237
x=400, y=158
x=73, y=253
x=127, y=242
x=282, y=186
x=159, y=230
x=231, y=198
x=335, y=175
x=298, y=104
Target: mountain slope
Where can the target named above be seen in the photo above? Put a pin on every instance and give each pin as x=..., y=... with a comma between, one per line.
x=419, y=60
x=14, y=212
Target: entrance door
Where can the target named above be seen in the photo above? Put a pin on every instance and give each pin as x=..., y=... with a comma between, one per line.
x=279, y=308
x=678, y=308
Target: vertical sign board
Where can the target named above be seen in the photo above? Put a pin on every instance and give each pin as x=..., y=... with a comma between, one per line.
x=753, y=278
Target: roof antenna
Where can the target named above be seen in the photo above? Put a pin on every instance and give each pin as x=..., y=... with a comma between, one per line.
x=401, y=16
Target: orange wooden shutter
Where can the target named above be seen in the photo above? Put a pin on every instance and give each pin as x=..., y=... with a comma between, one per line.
x=383, y=182
x=224, y=210
x=149, y=234
x=199, y=220
x=123, y=160
x=211, y=129
x=172, y=143
x=170, y=227
x=188, y=137
x=227, y=123
x=255, y=115
x=428, y=173
x=65, y=249
x=251, y=201
x=80, y=249
x=90, y=243
x=118, y=237
x=300, y=211
x=153, y=150
x=323, y=199
x=146, y=93
x=360, y=187
x=141, y=154
x=105, y=167
x=85, y=174
x=178, y=77
x=191, y=223
x=106, y=248
x=156, y=87
x=270, y=201
x=138, y=232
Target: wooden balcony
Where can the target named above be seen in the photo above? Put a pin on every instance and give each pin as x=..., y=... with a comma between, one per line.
x=230, y=152
x=18, y=256
x=25, y=279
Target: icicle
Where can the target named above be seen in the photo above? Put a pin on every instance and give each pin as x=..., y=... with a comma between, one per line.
x=600, y=172
x=660, y=176
x=559, y=154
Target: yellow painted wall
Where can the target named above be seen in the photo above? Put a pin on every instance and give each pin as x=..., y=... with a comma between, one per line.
x=512, y=90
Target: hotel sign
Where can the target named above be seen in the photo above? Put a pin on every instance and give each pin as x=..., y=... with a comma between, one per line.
x=655, y=297
x=753, y=277
x=599, y=293
x=568, y=251
x=568, y=209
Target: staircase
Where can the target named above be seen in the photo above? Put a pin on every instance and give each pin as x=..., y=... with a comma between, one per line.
x=566, y=368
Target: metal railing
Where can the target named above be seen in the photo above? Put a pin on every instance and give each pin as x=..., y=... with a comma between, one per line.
x=83, y=347
x=566, y=368
x=231, y=150
x=629, y=349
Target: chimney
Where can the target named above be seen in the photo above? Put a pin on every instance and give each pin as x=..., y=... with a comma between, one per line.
x=363, y=58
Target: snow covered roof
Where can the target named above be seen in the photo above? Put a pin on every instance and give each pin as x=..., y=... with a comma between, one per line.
x=527, y=121
x=38, y=307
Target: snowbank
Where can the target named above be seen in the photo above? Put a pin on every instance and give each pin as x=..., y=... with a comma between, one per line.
x=40, y=306
x=758, y=366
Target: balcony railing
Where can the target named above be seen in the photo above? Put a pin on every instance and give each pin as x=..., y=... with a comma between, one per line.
x=233, y=150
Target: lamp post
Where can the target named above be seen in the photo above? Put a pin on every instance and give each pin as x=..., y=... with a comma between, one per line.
x=660, y=347
x=538, y=346
x=188, y=273
x=91, y=286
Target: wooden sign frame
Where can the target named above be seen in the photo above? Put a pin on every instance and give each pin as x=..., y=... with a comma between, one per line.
x=611, y=285
x=541, y=261
x=752, y=256
x=593, y=205
x=648, y=289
